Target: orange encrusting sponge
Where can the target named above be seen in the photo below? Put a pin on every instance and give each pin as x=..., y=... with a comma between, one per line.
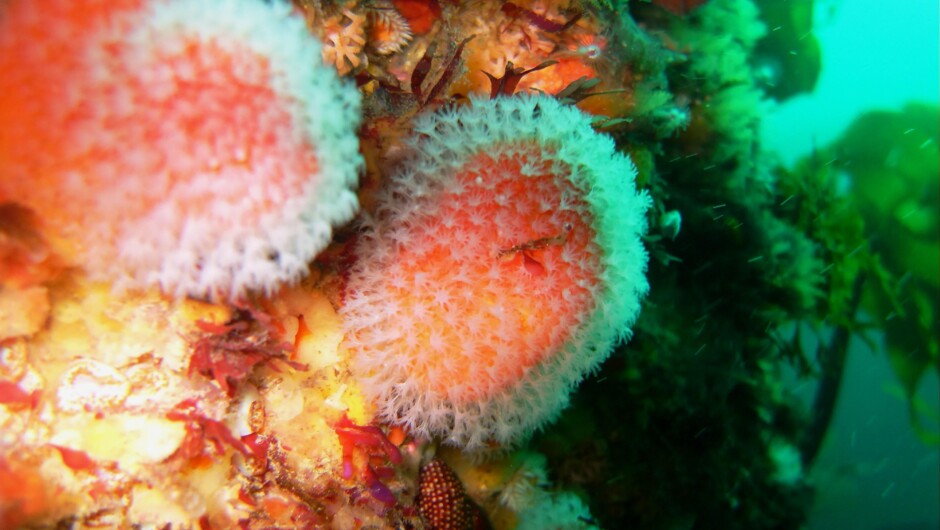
x=502, y=263
x=175, y=142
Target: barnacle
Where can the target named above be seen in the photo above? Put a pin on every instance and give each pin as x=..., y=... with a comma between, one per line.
x=389, y=32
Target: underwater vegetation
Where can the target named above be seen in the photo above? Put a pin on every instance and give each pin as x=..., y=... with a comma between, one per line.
x=885, y=229
x=437, y=264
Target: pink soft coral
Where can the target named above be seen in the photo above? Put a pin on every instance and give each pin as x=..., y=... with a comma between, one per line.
x=199, y=146
x=503, y=262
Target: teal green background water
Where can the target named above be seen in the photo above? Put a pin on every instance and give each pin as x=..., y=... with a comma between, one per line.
x=873, y=473
x=876, y=55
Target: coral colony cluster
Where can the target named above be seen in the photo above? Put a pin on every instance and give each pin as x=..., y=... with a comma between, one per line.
x=502, y=262
x=177, y=144
x=271, y=264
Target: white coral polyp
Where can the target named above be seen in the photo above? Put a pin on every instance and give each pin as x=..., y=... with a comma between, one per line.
x=503, y=263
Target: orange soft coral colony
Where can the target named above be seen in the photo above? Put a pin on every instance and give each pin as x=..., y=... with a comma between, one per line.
x=197, y=146
x=502, y=264
x=539, y=264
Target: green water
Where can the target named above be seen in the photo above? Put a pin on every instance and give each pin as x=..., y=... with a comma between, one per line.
x=873, y=472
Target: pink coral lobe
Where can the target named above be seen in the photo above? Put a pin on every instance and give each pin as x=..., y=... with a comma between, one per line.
x=168, y=142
